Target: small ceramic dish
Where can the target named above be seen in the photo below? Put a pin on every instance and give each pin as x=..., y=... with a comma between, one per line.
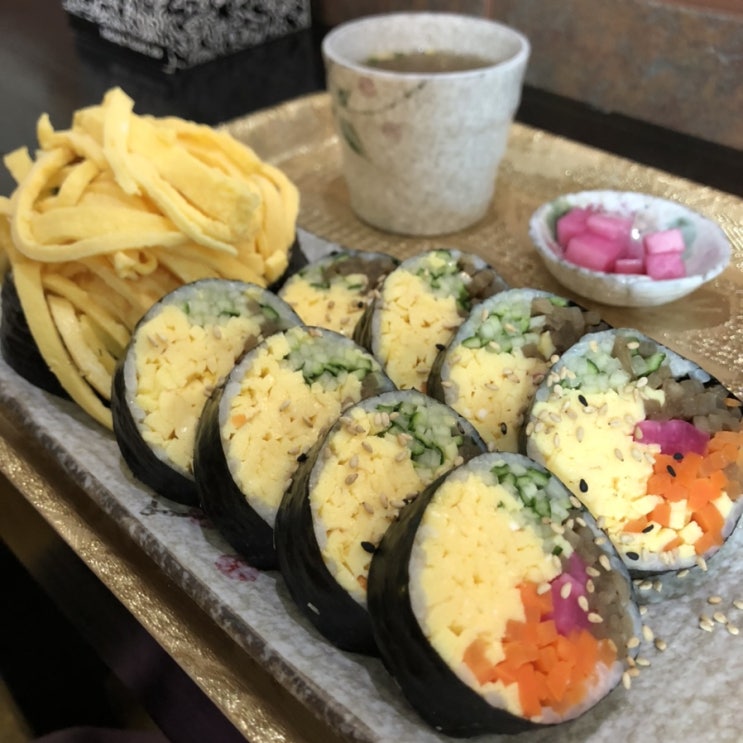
x=706, y=255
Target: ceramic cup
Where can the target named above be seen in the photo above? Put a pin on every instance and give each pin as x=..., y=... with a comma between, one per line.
x=421, y=150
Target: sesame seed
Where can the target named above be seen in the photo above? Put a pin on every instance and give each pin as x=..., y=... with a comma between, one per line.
x=642, y=381
x=366, y=446
x=556, y=441
x=732, y=629
x=600, y=541
x=579, y=434
x=706, y=624
x=284, y=405
x=401, y=455
x=595, y=618
x=631, y=555
x=648, y=529
x=583, y=603
x=583, y=486
x=701, y=563
x=590, y=586
x=682, y=573
x=647, y=633
x=714, y=600
x=660, y=644
x=738, y=603
x=383, y=500
x=582, y=400
x=645, y=585
x=720, y=617
x=633, y=642
x=313, y=608
x=590, y=570
x=575, y=503
x=217, y=332
x=351, y=479
x=604, y=561
x=618, y=454
x=581, y=522
x=644, y=662
x=368, y=547
x=657, y=585
x=634, y=672
x=565, y=590
x=670, y=470
x=626, y=680
x=353, y=463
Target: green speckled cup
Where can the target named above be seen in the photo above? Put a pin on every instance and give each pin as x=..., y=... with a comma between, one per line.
x=421, y=149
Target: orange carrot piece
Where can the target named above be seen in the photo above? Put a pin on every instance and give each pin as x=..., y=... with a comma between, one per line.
x=702, y=492
x=546, y=633
x=661, y=514
x=558, y=678
x=672, y=544
x=635, y=526
x=709, y=519
x=706, y=542
x=530, y=690
x=547, y=658
x=519, y=653
x=477, y=661
x=535, y=605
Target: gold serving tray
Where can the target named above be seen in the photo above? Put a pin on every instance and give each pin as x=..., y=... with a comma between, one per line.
x=298, y=137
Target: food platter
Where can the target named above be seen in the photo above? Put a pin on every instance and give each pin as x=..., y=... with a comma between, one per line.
x=353, y=694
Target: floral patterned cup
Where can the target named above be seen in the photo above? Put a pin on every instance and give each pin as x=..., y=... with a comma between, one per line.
x=421, y=150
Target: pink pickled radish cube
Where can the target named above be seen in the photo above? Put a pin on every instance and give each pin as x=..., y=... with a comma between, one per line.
x=593, y=252
x=570, y=224
x=629, y=265
x=609, y=225
x=664, y=266
x=673, y=435
x=634, y=248
x=665, y=241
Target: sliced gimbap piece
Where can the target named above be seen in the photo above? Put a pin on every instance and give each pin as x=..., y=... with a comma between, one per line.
x=180, y=351
x=419, y=307
x=374, y=460
x=334, y=291
x=256, y=429
x=491, y=369
x=651, y=443
x=498, y=604
x=18, y=346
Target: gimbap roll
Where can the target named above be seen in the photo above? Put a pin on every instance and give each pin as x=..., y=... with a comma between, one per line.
x=18, y=346
x=419, y=307
x=491, y=369
x=255, y=430
x=651, y=443
x=180, y=351
x=498, y=604
x=374, y=460
x=333, y=291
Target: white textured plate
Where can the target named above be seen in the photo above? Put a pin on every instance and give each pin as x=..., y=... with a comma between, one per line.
x=706, y=256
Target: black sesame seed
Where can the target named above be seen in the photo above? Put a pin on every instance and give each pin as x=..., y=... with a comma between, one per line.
x=670, y=470
x=504, y=428
x=302, y=457
x=648, y=529
x=583, y=485
x=633, y=556
x=678, y=456
x=440, y=346
x=582, y=400
x=360, y=305
x=368, y=547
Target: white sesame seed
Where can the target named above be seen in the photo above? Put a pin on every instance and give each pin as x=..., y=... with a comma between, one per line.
x=626, y=680
x=732, y=629
x=644, y=662
x=633, y=642
x=351, y=479
x=647, y=633
x=583, y=603
x=565, y=590
x=720, y=617
x=660, y=644
x=367, y=507
x=738, y=603
x=714, y=600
